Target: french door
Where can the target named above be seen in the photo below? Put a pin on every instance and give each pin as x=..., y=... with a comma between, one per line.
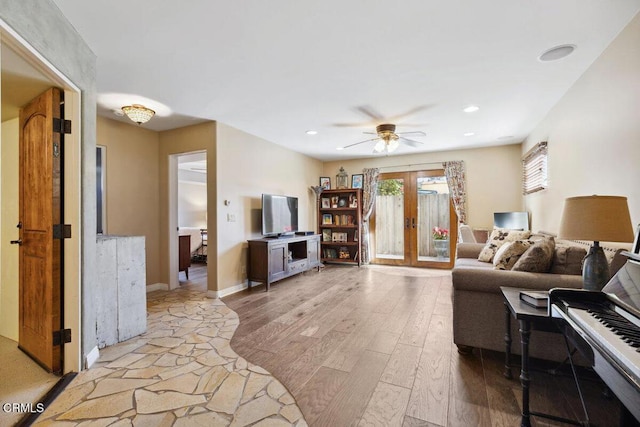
x=410, y=206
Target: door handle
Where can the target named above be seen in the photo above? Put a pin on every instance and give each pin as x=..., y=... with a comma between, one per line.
x=413, y=222
x=16, y=242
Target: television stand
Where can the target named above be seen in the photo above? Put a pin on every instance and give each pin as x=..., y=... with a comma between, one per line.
x=273, y=259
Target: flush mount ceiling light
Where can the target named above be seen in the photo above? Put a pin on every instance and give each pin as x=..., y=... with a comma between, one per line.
x=311, y=132
x=138, y=113
x=557, y=52
x=470, y=108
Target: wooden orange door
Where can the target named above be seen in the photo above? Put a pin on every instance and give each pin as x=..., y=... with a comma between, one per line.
x=40, y=209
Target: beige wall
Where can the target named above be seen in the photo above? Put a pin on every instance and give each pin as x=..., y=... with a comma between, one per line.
x=494, y=176
x=192, y=204
x=8, y=219
x=132, y=187
x=594, y=134
x=247, y=167
x=201, y=137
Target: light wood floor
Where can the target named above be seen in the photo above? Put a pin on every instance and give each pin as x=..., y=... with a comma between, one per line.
x=373, y=346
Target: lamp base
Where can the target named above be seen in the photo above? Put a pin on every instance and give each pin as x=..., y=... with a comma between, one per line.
x=595, y=270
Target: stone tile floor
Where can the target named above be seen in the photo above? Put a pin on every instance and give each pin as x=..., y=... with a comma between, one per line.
x=181, y=372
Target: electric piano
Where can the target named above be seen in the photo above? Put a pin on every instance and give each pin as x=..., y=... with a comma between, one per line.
x=605, y=327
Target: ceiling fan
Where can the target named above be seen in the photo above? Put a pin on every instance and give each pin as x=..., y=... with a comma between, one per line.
x=388, y=139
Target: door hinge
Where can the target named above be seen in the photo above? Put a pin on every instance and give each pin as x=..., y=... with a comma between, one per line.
x=62, y=336
x=61, y=126
x=61, y=231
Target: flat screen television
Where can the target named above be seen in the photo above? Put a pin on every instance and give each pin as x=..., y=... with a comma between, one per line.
x=511, y=220
x=279, y=215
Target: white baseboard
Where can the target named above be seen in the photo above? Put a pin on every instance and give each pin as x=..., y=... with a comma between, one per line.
x=92, y=356
x=227, y=291
x=157, y=287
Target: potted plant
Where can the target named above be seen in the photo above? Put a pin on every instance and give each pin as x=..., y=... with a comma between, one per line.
x=440, y=241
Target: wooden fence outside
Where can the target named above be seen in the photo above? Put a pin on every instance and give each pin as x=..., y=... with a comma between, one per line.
x=433, y=211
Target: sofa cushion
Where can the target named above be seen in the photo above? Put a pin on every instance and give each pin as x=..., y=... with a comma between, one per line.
x=567, y=259
x=509, y=253
x=537, y=259
x=500, y=236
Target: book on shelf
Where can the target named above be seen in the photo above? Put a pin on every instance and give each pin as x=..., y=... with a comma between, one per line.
x=538, y=299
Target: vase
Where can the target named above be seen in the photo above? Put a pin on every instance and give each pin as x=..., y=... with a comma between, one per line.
x=442, y=247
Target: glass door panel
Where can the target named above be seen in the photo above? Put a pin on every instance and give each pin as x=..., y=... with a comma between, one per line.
x=433, y=211
x=390, y=221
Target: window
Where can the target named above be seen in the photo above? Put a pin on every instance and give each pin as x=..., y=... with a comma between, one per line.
x=534, y=169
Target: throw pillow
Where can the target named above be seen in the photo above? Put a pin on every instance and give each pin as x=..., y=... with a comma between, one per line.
x=500, y=236
x=537, y=259
x=509, y=253
x=567, y=259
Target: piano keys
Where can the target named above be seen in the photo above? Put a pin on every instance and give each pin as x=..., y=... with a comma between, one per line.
x=608, y=326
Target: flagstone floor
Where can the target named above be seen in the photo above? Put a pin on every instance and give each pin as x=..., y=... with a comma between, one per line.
x=181, y=372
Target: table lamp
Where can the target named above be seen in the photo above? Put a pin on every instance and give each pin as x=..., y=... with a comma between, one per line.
x=600, y=219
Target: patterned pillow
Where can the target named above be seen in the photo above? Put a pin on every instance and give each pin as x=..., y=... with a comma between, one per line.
x=509, y=253
x=500, y=236
x=537, y=259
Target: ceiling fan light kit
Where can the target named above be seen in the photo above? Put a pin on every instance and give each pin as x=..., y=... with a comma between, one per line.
x=388, y=140
x=138, y=113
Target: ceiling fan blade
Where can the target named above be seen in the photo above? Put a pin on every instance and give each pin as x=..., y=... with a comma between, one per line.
x=370, y=133
x=411, y=112
x=411, y=142
x=413, y=133
x=370, y=112
x=361, y=142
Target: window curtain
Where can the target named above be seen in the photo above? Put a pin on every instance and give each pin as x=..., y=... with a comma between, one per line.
x=457, y=182
x=369, y=190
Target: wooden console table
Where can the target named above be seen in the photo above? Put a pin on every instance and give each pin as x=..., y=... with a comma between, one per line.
x=273, y=259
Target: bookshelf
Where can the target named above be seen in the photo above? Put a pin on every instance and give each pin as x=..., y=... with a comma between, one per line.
x=339, y=222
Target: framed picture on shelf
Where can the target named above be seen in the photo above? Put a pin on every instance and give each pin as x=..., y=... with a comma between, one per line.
x=334, y=201
x=325, y=182
x=326, y=203
x=327, y=219
x=339, y=237
x=330, y=253
x=356, y=180
x=326, y=235
x=353, y=201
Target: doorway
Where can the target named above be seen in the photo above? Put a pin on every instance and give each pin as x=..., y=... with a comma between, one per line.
x=414, y=222
x=188, y=207
x=24, y=75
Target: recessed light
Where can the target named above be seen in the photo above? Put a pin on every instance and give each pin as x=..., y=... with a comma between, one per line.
x=469, y=134
x=339, y=148
x=557, y=52
x=311, y=132
x=470, y=108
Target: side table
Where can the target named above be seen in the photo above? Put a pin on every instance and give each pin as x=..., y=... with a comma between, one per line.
x=530, y=318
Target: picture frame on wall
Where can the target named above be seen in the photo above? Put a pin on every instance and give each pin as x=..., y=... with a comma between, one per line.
x=356, y=180
x=325, y=182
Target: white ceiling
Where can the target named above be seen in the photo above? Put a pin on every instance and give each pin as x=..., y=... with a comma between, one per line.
x=278, y=68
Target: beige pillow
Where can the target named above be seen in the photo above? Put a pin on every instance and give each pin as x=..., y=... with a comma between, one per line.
x=537, y=259
x=500, y=236
x=567, y=259
x=509, y=253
